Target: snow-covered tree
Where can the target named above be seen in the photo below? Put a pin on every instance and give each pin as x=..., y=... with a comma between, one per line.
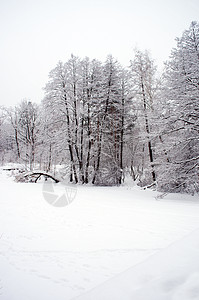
x=70, y=96
x=181, y=115
x=85, y=101
x=7, y=142
x=27, y=131
x=99, y=120
x=144, y=85
x=22, y=121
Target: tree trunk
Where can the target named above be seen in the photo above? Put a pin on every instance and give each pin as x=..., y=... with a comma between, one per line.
x=89, y=141
x=122, y=138
x=17, y=143
x=147, y=130
x=69, y=138
x=98, y=156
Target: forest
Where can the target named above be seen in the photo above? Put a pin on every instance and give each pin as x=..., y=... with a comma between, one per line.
x=100, y=122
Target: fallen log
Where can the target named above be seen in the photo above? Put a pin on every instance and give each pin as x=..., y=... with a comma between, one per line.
x=10, y=169
x=39, y=174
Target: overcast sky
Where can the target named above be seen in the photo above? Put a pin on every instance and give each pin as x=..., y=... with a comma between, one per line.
x=36, y=34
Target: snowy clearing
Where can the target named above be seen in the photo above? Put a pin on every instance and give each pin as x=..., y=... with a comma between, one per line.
x=171, y=274
x=52, y=253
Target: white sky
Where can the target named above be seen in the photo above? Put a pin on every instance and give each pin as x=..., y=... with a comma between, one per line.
x=36, y=34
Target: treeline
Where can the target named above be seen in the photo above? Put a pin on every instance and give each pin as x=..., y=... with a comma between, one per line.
x=101, y=121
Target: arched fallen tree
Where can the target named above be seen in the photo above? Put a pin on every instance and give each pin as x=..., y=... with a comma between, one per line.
x=36, y=175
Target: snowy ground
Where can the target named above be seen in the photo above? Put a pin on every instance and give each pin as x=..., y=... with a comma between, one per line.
x=60, y=253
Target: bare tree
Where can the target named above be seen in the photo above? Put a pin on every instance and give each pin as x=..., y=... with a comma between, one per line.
x=144, y=87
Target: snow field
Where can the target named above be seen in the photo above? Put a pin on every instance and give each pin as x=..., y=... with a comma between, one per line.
x=55, y=253
x=170, y=274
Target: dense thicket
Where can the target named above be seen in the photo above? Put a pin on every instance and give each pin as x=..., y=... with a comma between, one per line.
x=102, y=122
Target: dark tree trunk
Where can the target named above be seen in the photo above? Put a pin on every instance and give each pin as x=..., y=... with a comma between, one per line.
x=122, y=139
x=49, y=158
x=147, y=130
x=17, y=143
x=98, y=158
x=70, y=139
x=89, y=140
